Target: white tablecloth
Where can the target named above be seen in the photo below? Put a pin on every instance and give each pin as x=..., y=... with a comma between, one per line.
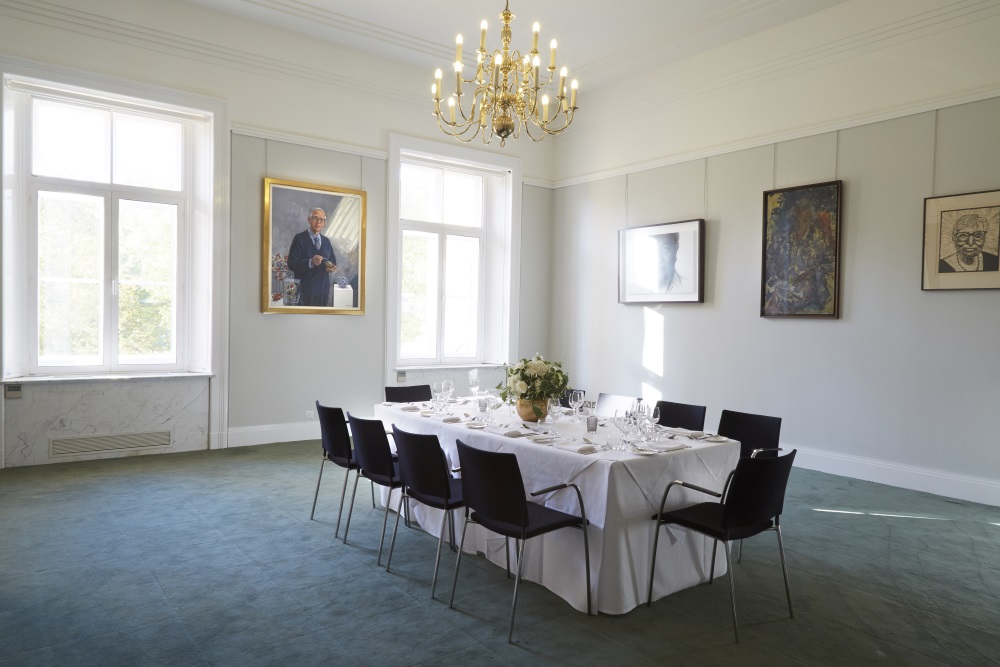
x=621, y=492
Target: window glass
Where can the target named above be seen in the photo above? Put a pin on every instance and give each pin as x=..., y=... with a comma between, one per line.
x=147, y=289
x=461, y=296
x=463, y=199
x=70, y=141
x=147, y=151
x=419, y=295
x=420, y=193
x=70, y=279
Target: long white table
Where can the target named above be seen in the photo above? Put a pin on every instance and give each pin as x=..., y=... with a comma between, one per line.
x=621, y=492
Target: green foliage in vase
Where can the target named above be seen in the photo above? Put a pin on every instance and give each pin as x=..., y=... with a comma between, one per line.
x=534, y=380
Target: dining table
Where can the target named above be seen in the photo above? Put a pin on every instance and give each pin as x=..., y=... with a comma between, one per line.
x=621, y=490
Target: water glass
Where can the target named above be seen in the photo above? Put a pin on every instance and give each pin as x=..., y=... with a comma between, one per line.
x=575, y=401
x=473, y=382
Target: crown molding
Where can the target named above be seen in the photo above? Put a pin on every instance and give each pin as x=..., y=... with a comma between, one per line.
x=131, y=34
x=930, y=104
x=311, y=142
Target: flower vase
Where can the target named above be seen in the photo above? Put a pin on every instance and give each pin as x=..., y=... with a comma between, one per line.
x=526, y=412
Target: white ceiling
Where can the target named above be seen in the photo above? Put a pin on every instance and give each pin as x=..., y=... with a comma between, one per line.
x=598, y=39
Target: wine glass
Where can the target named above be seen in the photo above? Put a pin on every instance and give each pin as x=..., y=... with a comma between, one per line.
x=473, y=382
x=575, y=401
x=555, y=412
x=447, y=386
x=440, y=398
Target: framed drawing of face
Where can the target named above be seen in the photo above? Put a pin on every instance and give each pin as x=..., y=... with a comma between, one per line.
x=962, y=241
x=662, y=263
x=313, y=249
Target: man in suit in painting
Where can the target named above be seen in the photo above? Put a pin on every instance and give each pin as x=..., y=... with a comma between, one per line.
x=969, y=236
x=312, y=260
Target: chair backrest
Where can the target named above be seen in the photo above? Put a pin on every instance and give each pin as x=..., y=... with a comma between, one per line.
x=682, y=415
x=423, y=466
x=608, y=404
x=757, y=490
x=753, y=431
x=415, y=392
x=492, y=485
x=333, y=429
x=371, y=446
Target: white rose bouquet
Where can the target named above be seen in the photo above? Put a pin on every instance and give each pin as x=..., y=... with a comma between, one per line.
x=534, y=380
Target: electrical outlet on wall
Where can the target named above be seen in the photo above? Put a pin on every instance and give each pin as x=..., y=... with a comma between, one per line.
x=310, y=414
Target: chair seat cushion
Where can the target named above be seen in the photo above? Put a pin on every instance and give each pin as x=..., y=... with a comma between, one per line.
x=384, y=480
x=706, y=518
x=541, y=519
x=342, y=462
x=454, y=496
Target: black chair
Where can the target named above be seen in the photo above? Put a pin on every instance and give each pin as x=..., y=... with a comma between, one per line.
x=336, y=449
x=752, y=504
x=495, y=499
x=755, y=432
x=682, y=415
x=374, y=458
x=416, y=392
x=424, y=471
x=609, y=404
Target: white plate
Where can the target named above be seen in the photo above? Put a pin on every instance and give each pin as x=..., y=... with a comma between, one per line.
x=543, y=439
x=642, y=452
x=426, y=413
x=475, y=425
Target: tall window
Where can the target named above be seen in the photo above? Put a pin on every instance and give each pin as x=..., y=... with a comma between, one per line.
x=104, y=195
x=453, y=239
x=442, y=241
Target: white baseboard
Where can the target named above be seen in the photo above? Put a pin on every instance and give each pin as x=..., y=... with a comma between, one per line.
x=265, y=434
x=951, y=485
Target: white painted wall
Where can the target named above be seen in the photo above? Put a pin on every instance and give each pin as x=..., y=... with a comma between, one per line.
x=902, y=389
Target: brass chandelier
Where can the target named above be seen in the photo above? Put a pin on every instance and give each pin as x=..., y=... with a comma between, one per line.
x=507, y=92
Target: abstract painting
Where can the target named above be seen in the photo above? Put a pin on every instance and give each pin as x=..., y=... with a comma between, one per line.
x=800, y=271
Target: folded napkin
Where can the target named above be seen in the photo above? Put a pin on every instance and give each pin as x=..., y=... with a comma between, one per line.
x=578, y=447
x=409, y=407
x=696, y=434
x=447, y=419
x=677, y=430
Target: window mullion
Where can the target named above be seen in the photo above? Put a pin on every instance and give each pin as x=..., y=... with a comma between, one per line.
x=442, y=262
x=112, y=288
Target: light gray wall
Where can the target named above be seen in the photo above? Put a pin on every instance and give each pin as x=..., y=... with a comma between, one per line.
x=902, y=388
x=281, y=364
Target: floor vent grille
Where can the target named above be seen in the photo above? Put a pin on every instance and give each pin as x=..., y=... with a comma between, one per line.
x=107, y=443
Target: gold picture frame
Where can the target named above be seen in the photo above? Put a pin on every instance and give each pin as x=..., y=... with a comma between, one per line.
x=313, y=249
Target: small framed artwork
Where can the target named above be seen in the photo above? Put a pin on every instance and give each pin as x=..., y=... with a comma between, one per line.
x=800, y=268
x=962, y=241
x=313, y=249
x=662, y=263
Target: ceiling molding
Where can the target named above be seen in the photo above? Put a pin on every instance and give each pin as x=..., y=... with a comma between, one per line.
x=932, y=104
x=915, y=27
x=311, y=142
x=93, y=25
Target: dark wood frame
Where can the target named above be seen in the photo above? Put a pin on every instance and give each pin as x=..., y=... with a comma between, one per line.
x=768, y=273
x=942, y=210
x=697, y=292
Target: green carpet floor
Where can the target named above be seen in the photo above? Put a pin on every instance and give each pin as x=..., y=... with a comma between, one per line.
x=209, y=558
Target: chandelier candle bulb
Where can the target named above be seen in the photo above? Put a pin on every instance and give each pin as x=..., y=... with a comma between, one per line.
x=482, y=35
x=552, y=56
x=458, y=78
x=437, y=80
x=562, y=81
x=534, y=37
x=535, y=63
x=572, y=92
x=458, y=49
x=451, y=109
x=545, y=108
x=497, y=61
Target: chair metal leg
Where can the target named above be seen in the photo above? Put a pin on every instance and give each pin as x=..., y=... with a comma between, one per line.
x=715, y=547
x=451, y=529
x=437, y=559
x=381, y=538
x=343, y=493
x=458, y=561
x=732, y=589
x=652, y=564
x=373, y=496
x=395, y=527
x=739, y=557
x=517, y=580
x=506, y=547
x=784, y=572
x=354, y=492
x=586, y=555
x=316, y=497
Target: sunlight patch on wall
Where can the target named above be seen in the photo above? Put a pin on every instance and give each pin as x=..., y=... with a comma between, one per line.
x=652, y=341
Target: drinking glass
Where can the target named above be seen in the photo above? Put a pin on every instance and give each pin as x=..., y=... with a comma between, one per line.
x=555, y=412
x=447, y=386
x=473, y=382
x=575, y=401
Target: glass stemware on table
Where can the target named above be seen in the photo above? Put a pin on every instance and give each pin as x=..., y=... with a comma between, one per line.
x=575, y=401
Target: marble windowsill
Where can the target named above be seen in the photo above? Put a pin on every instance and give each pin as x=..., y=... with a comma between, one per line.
x=42, y=379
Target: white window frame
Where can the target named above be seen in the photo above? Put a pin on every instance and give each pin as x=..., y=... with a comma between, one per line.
x=499, y=250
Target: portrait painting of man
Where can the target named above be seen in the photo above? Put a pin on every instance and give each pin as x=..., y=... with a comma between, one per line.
x=662, y=263
x=313, y=248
